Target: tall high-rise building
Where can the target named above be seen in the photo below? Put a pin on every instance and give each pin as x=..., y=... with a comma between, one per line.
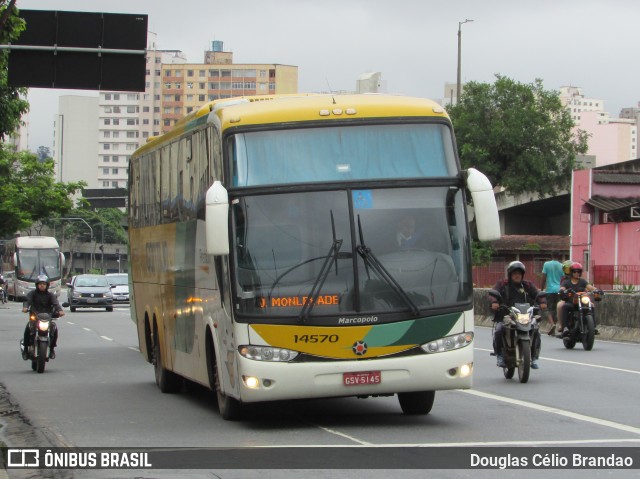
x=188, y=86
x=95, y=136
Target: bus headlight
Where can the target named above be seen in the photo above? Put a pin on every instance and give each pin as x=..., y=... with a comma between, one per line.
x=267, y=353
x=448, y=343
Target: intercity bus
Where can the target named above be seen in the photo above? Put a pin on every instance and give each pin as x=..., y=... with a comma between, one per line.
x=30, y=256
x=307, y=246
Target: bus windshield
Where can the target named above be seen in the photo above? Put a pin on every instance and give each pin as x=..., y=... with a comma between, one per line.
x=353, y=252
x=342, y=153
x=33, y=262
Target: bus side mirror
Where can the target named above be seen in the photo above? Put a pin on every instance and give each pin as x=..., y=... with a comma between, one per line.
x=217, y=220
x=484, y=204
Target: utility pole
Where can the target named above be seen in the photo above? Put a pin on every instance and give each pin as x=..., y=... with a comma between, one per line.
x=459, y=86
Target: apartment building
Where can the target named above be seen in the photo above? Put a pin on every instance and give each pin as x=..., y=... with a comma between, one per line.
x=611, y=140
x=188, y=86
x=95, y=136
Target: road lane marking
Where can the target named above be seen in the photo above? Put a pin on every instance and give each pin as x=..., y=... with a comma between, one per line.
x=341, y=434
x=578, y=363
x=86, y=329
x=107, y=338
x=553, y=410
x=463, y=444
x=134, y=349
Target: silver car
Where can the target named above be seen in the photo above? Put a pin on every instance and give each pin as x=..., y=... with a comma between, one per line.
x=119, y=286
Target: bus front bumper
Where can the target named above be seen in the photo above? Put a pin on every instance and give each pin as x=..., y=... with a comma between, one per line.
x=273, y=381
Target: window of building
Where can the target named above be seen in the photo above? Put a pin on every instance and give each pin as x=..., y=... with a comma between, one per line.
x=107, y=96
x=167, y=86
x=132, y=97
x=214, y=73
x=158, y=73
x=177, y=110
x=105, y=159
x=145, y=134
x=190, y=85
x=132, y=109
x=116, y=134
x=167, y=73
x=105, y=171
x=225, y=73
x=201, y=97
x=178, y=86
x=106, y=146
x=263, y=73
x=225, y=85
x=116, y=96
x=114, y=159
x=107, y=121
x=116, y=121
x=213, y=86
x=105, y=184
x=114, y=171
x=116, y=109
x=145, y=109
x=202, y=73
x=106, y=134
x=167, y=122
x=132, y=134
x=114, y=184
x=202, y=85
x=116, y=146
x=108, y=109
x=177, y=97
x=239, y=73
x=189, y=73
x=167, y=97
x=166, y=110
x=132, y=121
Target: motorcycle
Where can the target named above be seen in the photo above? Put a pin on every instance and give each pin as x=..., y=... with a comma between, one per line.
x=40, y=329
x=3, y=294
x=582, y=325
x=520, y=330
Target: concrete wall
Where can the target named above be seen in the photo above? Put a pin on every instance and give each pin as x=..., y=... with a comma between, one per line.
x=617, y=315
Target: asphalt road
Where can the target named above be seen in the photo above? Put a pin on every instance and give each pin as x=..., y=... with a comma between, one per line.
x=100, y=392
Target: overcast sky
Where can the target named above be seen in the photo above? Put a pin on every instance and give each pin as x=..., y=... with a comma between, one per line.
x=592, y=44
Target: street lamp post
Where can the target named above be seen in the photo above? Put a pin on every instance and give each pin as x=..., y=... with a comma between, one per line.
x=90, y=229
x=459, y=85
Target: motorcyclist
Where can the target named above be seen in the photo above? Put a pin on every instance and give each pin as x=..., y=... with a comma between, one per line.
x=3, y=293
x=41, y=300
x=575, y=284
x=514, y=289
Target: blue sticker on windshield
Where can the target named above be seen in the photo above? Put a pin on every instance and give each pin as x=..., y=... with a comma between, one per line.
x=362, y=199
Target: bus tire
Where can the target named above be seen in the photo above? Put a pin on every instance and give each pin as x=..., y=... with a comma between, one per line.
x=167, y=381
x=230, y=408
x=419, y=402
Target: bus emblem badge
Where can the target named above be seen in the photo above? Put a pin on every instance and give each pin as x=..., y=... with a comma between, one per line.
x=359, y=348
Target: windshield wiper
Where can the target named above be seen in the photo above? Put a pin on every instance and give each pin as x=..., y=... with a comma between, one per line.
x=371, y=260
x=331, y=257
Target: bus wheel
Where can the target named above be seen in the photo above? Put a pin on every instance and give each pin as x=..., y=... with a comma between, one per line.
x=419, y=402
x=230, y=408
x=167, y=381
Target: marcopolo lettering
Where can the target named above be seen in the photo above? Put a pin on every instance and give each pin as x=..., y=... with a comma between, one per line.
x=358, y=320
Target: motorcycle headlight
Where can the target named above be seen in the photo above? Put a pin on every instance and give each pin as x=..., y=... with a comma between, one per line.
x=523, y=318
x=43, y=325
x=585, y=300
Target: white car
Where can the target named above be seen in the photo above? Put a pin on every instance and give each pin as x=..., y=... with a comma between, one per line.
x=120, y=286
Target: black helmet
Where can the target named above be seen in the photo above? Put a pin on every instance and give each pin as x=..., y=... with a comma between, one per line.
x=514, y=265
x=42, y=278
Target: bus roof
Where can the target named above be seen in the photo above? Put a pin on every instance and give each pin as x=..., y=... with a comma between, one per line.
x=36, y=242
x=293, y=108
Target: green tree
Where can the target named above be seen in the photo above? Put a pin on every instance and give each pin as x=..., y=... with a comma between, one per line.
x=518, y=134
x=43, y=153
x=73, y=233
x=13, y=103
x=28, y=191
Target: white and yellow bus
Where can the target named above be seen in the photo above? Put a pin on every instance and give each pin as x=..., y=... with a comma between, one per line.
x=307, y=246
x=30, y=256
